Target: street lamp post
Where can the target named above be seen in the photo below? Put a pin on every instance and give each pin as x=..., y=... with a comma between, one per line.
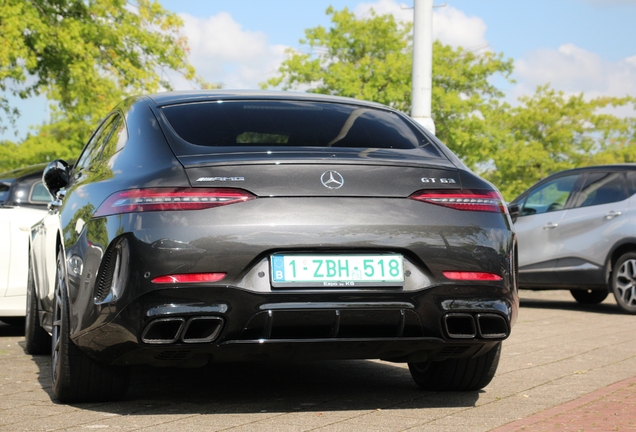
x=422, y=79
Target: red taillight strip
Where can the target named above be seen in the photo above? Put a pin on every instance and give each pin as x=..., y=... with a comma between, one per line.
x=167, y=199
x=189, y=278
x=464, y=199
x=472, y=276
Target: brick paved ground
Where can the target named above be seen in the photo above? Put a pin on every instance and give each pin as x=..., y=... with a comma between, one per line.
x=612, y=408
x=564, y=362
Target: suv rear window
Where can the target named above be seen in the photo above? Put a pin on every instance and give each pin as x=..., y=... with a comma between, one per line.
x=293, y=124
x=4, y=190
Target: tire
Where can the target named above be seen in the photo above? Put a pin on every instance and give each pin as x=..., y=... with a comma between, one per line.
x=75, y=376
x=36, y=339
x=623, y=282
x=466, y=374
x=589, y=296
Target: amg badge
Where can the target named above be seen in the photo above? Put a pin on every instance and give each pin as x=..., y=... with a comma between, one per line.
x=220, y=179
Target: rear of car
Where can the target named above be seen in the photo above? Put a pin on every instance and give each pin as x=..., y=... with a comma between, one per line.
x=272, y=226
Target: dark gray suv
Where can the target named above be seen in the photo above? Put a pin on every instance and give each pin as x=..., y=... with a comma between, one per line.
x=577, y=231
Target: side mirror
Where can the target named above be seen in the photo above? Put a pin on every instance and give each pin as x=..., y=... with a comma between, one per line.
x=56, y=176
x=513, y=209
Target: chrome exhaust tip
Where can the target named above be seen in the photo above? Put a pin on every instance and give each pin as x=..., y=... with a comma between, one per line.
x=162, y=331
x=202, y=329
x=460, y=326
x=492, y=326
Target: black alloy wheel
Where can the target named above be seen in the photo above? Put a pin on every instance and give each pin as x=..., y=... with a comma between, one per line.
x=75, y=376
x=465, y=374
x=36, y=339
x=589, y=296
x=623, y=282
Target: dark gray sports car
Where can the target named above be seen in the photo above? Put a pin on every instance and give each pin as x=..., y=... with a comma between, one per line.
x=226, y=226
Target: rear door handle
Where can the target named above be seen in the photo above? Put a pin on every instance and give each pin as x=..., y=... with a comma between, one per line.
x=612, y=214
x=550, y=225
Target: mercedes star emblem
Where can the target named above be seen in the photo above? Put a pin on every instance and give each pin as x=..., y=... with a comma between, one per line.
x=332, y=179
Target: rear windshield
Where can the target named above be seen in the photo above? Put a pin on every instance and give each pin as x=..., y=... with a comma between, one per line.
x=4, y=190
x=293, y=124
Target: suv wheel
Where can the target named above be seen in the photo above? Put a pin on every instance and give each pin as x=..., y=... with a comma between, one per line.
x=623, y=282
x=466, y=374
x=589, y=296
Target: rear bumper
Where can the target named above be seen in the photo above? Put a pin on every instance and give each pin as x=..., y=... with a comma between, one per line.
x=195, y=325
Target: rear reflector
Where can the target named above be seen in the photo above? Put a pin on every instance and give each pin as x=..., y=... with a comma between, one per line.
x=168, y=199
x=189, y=278
x=464, y=199
x=472, y=276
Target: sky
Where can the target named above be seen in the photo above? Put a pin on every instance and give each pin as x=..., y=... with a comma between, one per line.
x=577, y=46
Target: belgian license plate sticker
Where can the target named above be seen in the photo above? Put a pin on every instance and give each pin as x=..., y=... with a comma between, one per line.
x=337, y=270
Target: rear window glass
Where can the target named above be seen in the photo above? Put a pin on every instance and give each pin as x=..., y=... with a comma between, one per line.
x=292, y=124
x=39, y=194
x=602, y=188
x=4, y=191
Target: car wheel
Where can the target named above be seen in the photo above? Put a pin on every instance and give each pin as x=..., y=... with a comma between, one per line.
x=589, y=296
x=467, y=374
x=36, y=339
x=623, y=282
x=75, y=376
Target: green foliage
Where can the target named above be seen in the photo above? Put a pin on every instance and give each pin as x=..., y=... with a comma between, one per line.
x=365, y=59
x=85, y=56
x=549, y=132
x=371, y=59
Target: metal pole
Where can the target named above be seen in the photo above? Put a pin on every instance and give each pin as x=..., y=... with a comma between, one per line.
x=422, y=79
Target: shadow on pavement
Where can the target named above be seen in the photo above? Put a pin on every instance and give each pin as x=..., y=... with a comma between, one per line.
x=7, y=330
x=606, y=307
x=249, y=388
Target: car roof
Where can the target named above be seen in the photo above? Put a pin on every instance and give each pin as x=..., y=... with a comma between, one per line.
x=177, y=97
x=616, y=167
x=22, y=172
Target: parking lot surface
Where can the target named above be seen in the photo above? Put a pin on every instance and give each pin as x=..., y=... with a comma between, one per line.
x=559, y=354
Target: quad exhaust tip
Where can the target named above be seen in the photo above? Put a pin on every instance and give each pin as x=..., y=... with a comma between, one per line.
x=164, y=331
x=492, y=326
x=483, y=325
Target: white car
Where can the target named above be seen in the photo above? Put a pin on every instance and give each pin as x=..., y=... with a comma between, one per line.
x=23, y=202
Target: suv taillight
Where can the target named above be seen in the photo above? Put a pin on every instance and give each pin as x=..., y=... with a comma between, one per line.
x=464, y=199
x=167, y=199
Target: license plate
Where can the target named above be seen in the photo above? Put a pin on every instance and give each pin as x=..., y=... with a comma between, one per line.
x=337, y=270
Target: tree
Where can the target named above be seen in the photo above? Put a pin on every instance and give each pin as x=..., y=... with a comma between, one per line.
x=371, y=59
x=513, y=146
x=85, y=56
x=549, y=132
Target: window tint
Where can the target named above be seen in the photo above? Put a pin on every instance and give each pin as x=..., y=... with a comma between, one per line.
x=631, y=177
x=602, y=188
x=95, y=146
x=550, y=196
x=115, y=138
x=39, y=194
x=292, y=124
x=4, y=191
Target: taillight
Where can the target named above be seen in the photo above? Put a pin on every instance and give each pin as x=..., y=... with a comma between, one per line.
x=145, y=200
x=471, y=276
x=189, y=278
x=464, y=199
